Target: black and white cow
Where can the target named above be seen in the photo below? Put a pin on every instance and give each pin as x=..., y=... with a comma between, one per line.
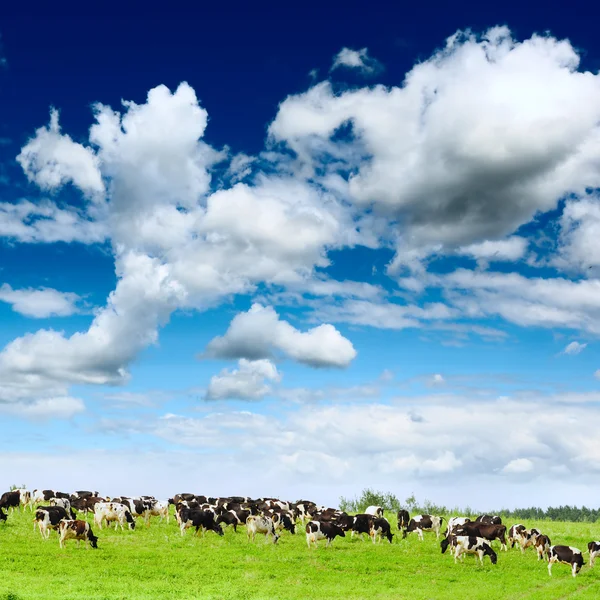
x=138, y=507
x=86, y=504
x=10, y=500
x=24, y=498
x=380, y=528
x=515, y=533
x=204, y=520
x=542, y=545
x=473, y=545
x=316, y=530
x=64, y=502
x=229, y=517
x=487, y=531
x=403, y=519
x=257, y=524
x=376, y=511
x=284, y=520
x=490, y=519
x=422, y=523
x=49, y=517
x=80, y=494
x=113, y=511
x=594, y=550
x=566, y=555
x=361, y=523
x=76, y=530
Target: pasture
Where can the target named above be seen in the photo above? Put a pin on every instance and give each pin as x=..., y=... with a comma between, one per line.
x=158, y=563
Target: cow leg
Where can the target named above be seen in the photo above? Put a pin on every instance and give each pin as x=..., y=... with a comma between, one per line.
x=550, y=568
x=420, y=534
x=574, y=570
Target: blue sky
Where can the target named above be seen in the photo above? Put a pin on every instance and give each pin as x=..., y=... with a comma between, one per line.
x=311, y=251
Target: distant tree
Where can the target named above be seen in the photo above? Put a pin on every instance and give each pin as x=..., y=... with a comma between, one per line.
x=17, y=487
x=369, y=497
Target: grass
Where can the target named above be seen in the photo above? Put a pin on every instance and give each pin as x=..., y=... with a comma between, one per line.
x=159, y=563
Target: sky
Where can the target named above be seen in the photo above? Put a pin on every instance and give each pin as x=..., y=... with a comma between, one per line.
x=265, y=251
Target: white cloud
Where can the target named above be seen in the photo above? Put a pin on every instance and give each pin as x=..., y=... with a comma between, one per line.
x=245, y=383
x=574, y=348
x=597, y=374
x=437, y=379
x=518, y=465
x=40, y=303
x=479, y=138
x=258, y=332
x=51, y=159
x=46, y=408
x=511, y=249
x=356, y=59
x=45, y=222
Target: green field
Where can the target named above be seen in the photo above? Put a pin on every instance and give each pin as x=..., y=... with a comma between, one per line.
x=159, y=563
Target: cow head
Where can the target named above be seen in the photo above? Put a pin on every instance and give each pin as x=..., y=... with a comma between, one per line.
x=488, y=551
x=444, y=545
x=288, y=524
x=93, y=539
x=2, y=515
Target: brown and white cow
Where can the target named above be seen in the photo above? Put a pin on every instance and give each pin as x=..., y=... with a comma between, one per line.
x=542, y=545
x=488, y=531
x=515, y=533
x=594, y=550
x=422, y=523
x=76, y=530
x=316, y=530
x=567, y=555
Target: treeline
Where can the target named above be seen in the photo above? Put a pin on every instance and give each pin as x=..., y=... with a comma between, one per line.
x=390, y=502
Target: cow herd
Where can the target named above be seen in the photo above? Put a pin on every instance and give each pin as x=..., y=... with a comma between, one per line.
x=62, y=512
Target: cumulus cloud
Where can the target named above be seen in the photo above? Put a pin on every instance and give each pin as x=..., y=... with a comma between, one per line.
x=45, y=408
x=259, y=332
x=245, y=383
x=511, y=249
x=51, y=159
x=574, y=348
x=480, y=137
x=356, y=59
x=40, y=303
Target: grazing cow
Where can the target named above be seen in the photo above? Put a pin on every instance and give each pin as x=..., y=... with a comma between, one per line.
x=594, y=550
x=422, y=523
x=376, y=511
x=10, y=500
x=138, y=507
x=159, y=508
x=76, y=530
x=542, y=546
x=473, y=545
x=380, y=527
x=515, y=533
x=205, y=520
x=361, y=524
x=566, y=555
x=113, y=511
x=528, y=538
x=490, y=519
x=256, y=524
x=316, y=530
x=403, y=519
x=487, y=531
x=455, y=522
x=49, y=517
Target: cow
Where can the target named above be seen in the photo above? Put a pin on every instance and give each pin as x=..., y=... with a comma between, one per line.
x=380, y=527
x=79, y=495
x=138, y=507
x=594, y=550
x=473, y=545
x=542, y=545
x=455, y=522
x=403, y=519
x=361, y=524
x=76, y=530
x=10, y=500
x=49, y=517
x=566, y=555
x=177, y=498
x=305, y=509
x=316, y=530
x=24, y=498
x=205, y=520
x=159, y=508
x=86, y=504
x=113, y=511
x=487, y=531
x=422, y=523
x=489, y=519
x=256, y=524
x=528, y=538
x=229, y=517
x=49, y=494
x=515, y=533
x=376, y=511
x=64, y=502
x=284, y=520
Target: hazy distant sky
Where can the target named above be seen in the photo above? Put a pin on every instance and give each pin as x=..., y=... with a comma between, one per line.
x=301, y=250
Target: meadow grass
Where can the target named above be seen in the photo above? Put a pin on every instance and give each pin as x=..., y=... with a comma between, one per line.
x=159, y=563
